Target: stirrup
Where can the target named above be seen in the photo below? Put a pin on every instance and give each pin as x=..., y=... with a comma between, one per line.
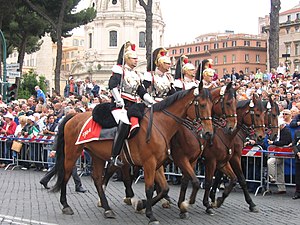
x=117, y=162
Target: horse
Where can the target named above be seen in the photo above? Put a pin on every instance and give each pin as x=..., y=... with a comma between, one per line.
x=167, y=117
x=224, y=111
x=271, y=124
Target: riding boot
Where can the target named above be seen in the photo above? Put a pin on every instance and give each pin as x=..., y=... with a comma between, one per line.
x=121, y=135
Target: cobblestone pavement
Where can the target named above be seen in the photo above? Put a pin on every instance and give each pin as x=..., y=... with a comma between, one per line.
x=24, y=201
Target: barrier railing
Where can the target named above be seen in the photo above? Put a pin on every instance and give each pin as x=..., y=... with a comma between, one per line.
x=35, y=150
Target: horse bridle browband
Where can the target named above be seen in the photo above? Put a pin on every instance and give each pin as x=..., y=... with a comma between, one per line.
x=224, y=115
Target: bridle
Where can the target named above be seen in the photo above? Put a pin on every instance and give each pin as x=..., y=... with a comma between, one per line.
x=269, y=116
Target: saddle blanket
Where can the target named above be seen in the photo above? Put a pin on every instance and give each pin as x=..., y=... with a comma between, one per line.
x=92, y=131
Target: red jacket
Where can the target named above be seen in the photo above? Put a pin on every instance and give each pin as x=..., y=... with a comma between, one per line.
x=11, y=129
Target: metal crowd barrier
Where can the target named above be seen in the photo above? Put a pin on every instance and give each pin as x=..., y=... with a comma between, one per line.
x=34, y=152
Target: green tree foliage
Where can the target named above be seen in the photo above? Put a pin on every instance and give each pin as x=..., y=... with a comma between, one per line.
x=62, y=18
x=28, y=82
x=23, y=29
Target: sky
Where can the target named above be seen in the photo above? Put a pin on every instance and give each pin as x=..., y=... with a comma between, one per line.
x=187, y=19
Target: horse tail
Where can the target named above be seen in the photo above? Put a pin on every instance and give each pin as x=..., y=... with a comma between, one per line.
x=58, y=146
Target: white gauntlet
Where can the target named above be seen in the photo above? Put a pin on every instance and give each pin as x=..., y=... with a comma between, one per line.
x=116, y=94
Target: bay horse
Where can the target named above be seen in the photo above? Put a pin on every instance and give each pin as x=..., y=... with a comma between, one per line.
x=271, y=124
x=168, y=115
x=223, y=111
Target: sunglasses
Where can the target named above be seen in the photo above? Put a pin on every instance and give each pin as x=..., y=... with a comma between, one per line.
x=285, y=114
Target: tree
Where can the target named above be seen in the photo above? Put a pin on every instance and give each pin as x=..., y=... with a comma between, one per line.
x=24, y=30
x=62, y=19
x=28, y=83
x=274, y=33
x=149, y=21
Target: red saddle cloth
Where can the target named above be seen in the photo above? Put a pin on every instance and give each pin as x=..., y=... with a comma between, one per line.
x=90, y=131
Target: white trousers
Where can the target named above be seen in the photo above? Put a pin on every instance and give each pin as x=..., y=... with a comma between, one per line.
x=276, y=170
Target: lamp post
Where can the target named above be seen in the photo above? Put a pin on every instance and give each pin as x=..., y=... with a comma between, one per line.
x=3, y=89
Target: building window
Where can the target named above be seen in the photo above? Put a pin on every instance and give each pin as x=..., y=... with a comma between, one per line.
x=297, y=49
x=224, y=59
x=81, y=42
x=197, y=49
x=181, y=51
x=174, y=51
x=72, y=54
x=113, y=38
x=197, y=63
x=258, y=44
x=247, y=43
x=297, y=29
x=216, y=60
x=205, y=47
x=246, y=58
x=75, y=42
x=142, y=39
x=247, y=70
x=189, y=50
x=297, y=16
x=233, y=43
x=257, y=58
x=288, y=48
x=287, y=30
x=233, y=58
x=90, y=40
x=67, y=67
x=224, y=71
x=62, y=67
x=225, y=44
x=288, y=18
x=216, y=45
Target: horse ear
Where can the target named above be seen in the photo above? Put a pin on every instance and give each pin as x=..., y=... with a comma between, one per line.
x=228, y=86
x=200, y=87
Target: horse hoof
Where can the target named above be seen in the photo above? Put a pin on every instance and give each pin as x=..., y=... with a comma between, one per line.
x=184, y=215
x=153, y=222
x=184, y=206
x=109, y=214
x=254, y=209
x=166, y=204
x=127, y=201
x=139, y=206
x=214, y=205
x=67, y=211
x=210, y=211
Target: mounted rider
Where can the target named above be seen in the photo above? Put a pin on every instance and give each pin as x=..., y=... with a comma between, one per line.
x=158, y=80
x=185, y=74
x=126, y=88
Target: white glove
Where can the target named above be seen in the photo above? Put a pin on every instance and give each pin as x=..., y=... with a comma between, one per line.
x=120, y=103
x=148, y=99
x=116, y=94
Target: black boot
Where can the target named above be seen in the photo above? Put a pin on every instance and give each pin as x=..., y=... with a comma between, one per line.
x=121, y=135
x=44, y=181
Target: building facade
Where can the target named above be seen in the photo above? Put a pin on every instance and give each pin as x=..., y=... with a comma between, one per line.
x=228, y=51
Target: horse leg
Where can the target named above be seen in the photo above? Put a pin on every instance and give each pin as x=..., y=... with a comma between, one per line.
x=182, y=204
x=236, y=165
x=210, y=167
x=98, y=166
x=63, y=191
x=127, y=181
x=216, y=183
x=162, y=190
x=233, y=180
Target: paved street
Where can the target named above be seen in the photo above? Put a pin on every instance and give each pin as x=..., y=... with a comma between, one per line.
x=24, y=201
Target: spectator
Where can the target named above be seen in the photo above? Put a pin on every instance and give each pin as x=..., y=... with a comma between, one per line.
x=40, y=95
x=297, y=168
x=296, y=75
x=285, y=138
x=281, y=69
x=96, y=89
x=45, y=180
x=71, y=88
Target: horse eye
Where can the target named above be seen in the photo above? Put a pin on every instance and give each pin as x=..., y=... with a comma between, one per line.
x=228, y=104
x=202, y=105
x=257, y=115
x=274, y=116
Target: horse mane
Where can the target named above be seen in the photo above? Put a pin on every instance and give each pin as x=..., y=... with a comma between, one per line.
x=178, y=95
x=232, y=92
x=243, y=103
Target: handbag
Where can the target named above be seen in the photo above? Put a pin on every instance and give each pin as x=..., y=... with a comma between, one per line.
x=17, y=146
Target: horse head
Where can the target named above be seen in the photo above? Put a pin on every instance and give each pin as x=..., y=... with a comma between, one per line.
x=224, y=107
x=251, y=115
x=202, y=112
x=271, y=118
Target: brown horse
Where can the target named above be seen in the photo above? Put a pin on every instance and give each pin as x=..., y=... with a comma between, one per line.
x=271, y=124
x=250, y=122
x=168, y=116
x=224, y=111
